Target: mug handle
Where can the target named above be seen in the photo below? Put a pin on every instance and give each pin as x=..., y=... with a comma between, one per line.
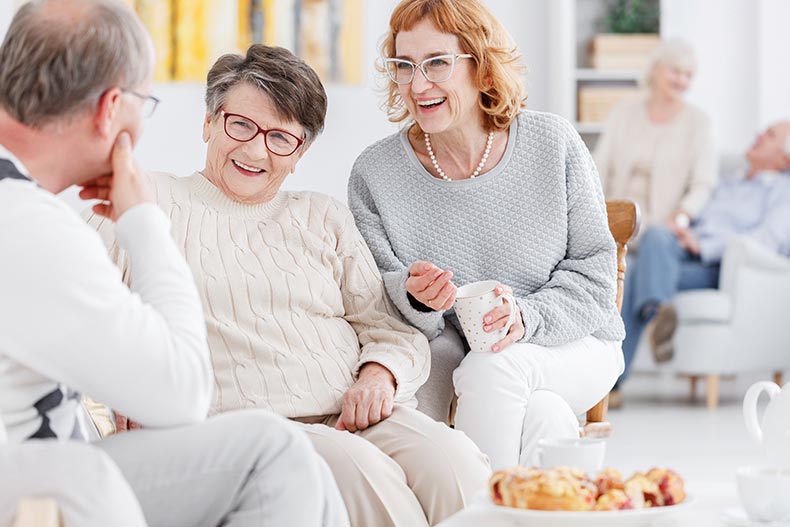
x=750, y=406
x=511, y=301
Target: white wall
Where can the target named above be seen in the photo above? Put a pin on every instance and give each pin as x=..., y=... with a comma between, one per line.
x=743, y=81
x=773, y=45
x=726, y=84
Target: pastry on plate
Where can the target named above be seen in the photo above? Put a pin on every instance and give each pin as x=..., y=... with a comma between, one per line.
x=643, y=492
x=609, y=479
x=554, y=489
x=614, y=500
x=670, y=484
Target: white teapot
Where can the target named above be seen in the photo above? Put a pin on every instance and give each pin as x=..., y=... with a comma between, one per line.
x=774, y=434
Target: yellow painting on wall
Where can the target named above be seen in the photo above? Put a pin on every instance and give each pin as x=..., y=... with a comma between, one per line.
x=189, y=35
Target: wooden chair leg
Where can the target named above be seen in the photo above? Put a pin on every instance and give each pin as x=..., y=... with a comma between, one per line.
x=451, y=417
x=693, y=387
x=37, y=512
x=712, y=384
x=778, y=377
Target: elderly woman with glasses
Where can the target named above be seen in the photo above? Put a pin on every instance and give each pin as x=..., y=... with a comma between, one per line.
x=474, y=188
x=298, y=318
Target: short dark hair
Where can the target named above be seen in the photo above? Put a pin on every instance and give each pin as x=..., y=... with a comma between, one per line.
x=56, y=59
x=286, y=79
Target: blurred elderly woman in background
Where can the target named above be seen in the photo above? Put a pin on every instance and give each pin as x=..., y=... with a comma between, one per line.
x=298, y=318
x=658, y=150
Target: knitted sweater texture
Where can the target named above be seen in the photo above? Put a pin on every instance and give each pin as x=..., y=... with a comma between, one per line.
x=535, y=222
x=293, y=301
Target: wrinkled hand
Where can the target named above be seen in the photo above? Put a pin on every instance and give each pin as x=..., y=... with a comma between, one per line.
x=497, y=319
x=126, y=187
x=123, y=423
x=370, y=400
x=431, y=286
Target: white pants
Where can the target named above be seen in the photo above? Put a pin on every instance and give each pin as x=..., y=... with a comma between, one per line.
x=509, y=400
x=239, y=469
x=86, y=484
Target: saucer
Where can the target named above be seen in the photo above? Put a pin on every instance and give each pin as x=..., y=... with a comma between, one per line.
x=737, y=518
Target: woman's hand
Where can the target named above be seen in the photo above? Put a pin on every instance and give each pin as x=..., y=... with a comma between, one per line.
x=431, y=286
x=497, y=319
x=370, y=400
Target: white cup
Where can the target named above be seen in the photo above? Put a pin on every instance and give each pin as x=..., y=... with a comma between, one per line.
x=584, y=453
x=472, y=302
x=765, y=493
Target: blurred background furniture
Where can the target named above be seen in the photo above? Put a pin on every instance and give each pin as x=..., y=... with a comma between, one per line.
x=741, y=327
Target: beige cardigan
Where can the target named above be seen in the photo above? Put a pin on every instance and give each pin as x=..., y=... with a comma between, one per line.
x=684, y=173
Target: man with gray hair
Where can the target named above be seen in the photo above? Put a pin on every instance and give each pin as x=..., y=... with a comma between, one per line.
x=75, y=85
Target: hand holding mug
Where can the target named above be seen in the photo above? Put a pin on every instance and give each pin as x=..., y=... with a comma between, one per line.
x=489, y=316
x=498, y=318
x=431, y=286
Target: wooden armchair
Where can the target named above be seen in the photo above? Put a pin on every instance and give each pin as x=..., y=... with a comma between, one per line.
x=624, y=224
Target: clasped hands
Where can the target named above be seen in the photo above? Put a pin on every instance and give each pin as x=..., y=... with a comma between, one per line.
x=433, y=287
x=684, y=234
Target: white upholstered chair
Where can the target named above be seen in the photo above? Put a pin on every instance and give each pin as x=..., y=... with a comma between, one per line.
x=744, y=326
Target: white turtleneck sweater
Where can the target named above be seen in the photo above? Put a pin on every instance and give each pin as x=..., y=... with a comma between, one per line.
x=293, y=300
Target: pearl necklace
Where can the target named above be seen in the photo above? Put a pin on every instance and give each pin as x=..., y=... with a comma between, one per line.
x=480, y=165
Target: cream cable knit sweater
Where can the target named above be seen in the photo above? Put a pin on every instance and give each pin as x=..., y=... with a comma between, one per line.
x=293, y=300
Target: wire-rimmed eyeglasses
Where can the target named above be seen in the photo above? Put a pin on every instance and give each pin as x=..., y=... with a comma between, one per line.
x=435, y=69
x=149, y=102
x=243, y=129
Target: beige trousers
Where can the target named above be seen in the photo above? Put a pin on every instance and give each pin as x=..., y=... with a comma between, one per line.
x=406, y=471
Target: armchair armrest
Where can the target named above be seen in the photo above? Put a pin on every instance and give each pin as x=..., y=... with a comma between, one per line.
x=745, y=252
x=703, y=305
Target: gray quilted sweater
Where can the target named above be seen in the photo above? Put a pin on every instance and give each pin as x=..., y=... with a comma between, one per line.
x=536, y=222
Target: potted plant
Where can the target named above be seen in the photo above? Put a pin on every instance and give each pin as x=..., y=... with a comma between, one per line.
x=631, y=35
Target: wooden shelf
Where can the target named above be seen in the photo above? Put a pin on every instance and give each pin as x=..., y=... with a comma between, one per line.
x=590, y=74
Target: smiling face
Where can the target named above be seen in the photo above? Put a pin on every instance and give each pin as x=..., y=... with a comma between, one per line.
x=671, y=81
x=248, y=172
x=441, y=106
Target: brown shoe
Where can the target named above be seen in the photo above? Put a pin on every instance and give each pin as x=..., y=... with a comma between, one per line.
x=661, y=329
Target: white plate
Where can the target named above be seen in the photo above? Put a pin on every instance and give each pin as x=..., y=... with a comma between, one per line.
x=624, y=518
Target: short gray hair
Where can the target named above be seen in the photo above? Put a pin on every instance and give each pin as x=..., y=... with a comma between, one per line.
x=59, y=56
x=673, y=52
x=287, y=80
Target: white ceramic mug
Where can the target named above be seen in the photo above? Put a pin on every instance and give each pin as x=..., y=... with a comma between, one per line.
x=472, y=302
x=586, y=454
x=765, y=493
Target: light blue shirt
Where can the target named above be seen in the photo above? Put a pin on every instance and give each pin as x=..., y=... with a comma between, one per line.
x=758, y=208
